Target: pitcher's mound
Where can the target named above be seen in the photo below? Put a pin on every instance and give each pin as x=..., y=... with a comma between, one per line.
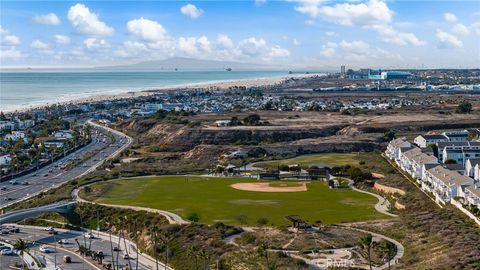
x=265, y=187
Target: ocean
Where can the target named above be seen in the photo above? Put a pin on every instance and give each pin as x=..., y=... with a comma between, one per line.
x=31, y=88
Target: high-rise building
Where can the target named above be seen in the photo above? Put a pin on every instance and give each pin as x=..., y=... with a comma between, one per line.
x=342, y=71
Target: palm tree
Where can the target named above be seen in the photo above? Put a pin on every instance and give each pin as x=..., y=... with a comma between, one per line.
x=154, y=237
x=111, y=244
x=192, y=252
x=366, y=242
x=202, y=254
x=22, y=247
x=125, y=242
x=390, y=249
x=165, y=239
x=263, y=251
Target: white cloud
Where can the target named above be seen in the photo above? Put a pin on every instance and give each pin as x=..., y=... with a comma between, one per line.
x=328, y=49
x=310, y=22
x=354, y=46
x=260, y=2
x=39, y=45
x=3, y=30
x=450, y=17
x=11, y=53
x=48, y=19
x=448, y=40
x=11, y=40
x=309, y=7
x=252, y=46
x=374, y=14
x=147, y=30
x=460, y=29
x=224, y=41
x=191, y=11
x=61, y=39
x=296, y=42
x=94, y=44
x=86, y=22
x=330, y=33
x=192, y=46
x=475, y=27
x=390, y=35
x=362, y=14
x=278, y=52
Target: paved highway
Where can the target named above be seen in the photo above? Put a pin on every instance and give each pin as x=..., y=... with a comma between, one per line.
x=37, y=236
x=52, y=175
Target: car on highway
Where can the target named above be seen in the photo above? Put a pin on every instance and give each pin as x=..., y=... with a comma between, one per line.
x=8, y=251
x=67, y=259
x=45, y=249
x=3, y=188
x=4, y=231
x=45, y=175
x=25, y=183
x=63, y=241
x=13, y=182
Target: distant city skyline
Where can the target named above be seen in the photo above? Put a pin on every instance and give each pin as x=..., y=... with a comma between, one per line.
x=296, y=33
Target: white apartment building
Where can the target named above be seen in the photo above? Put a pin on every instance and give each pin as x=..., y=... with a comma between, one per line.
x=426, y=140
x=413, y=160
x=472, y=195
x=393, y=148
x=445, y=184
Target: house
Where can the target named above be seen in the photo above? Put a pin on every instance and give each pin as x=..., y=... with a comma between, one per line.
x=470, y=166
x=426, y=140
x=63, y=134
x=24, y=124
x=413, y=160
x=461, y=145
x=460, y=156
x=49, y=142
x=16, y=135
x=393, y=148
x=457, y=135
x=445, y=184
x=223, y=123
x=472, y=195
x=5, y=160
x=151, y=107
x=7, y=125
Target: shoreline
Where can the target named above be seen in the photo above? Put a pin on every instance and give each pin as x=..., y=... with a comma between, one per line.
x=208, y=85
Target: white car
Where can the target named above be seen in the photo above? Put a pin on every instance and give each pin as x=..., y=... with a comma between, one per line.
x=49, y=229
x=45, y=249
x=6, y=252
x=89, y=235
x=63, y=241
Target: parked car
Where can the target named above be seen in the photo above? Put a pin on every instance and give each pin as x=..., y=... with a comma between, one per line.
x=3, y=188
x=67, y=259
x=6, y=251
x=63, y=241
x=125, y=256
x=45, y=249
x=115, y=249
x=89, y=235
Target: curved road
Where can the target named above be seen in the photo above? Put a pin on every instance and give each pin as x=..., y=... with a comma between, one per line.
x=51, y=176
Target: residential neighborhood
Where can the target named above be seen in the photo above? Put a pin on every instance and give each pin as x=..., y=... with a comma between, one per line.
x=451, y=175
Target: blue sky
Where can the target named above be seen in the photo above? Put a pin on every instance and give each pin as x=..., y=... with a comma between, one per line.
x=313, y=33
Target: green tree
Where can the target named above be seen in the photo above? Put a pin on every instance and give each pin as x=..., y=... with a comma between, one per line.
x=252, y=120
x=366, y=243
x=263, y=251
x=464, y=107
x=22, y=247
x=389, y=249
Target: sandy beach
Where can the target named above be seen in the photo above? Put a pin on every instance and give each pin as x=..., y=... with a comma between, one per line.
x=220, y=85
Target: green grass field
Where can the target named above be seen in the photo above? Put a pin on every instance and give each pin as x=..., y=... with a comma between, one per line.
x=332, y=159
x=214, y=200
